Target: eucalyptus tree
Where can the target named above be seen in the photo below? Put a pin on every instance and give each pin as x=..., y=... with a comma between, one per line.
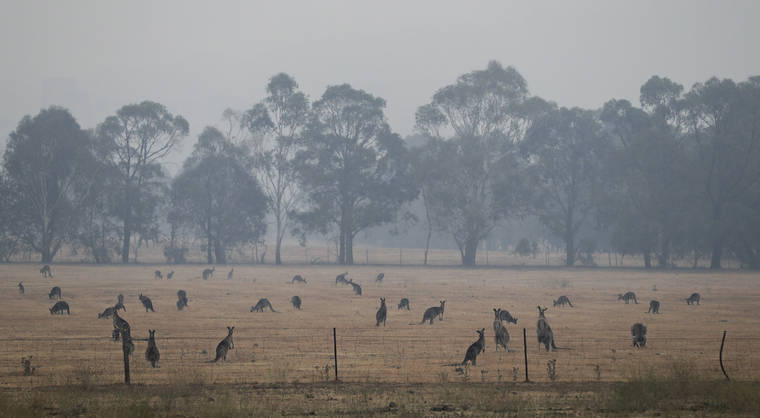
x=475, y=125
x=354, y=171
x=135, y=141
x=48, y=172
x=217, y=196
x=278, y=122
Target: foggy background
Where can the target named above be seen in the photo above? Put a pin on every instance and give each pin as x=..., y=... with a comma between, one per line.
x=198, y=58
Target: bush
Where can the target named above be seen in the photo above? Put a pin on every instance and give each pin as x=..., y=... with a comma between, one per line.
x=175, y=255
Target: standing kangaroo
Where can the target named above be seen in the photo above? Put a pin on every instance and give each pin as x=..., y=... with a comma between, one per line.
x=627, y=297
x=298, y=279
x=151, y=353
x=262, y=304
x=380, y=277
x=181, y=299
x=207, y=273
x=544, y=331
x=433, y=312
x=500, y=333
x=562, y=301
x=224, y=346
x=157, y=275
x=45, y=271
x=694, y=298
x=147, y=303
x=296, y=301
x=382, y=313
x=229, y=275
x=639, y=334
x=59, y=307
x=404, y=303
x=20, y=288
x=55, y=292
x=654, y=307
x=475, y=348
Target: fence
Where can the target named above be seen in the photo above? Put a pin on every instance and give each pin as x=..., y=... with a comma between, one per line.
x=410, y=355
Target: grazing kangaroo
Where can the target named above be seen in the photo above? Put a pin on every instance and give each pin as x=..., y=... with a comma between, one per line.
x=562, y=301
x=654, y=307
x=475, y=348
x=120, y=303
x=55, y=292
x=157, y=275
x=694, y=298
x=380, y=278
x=382, y=313
x=147, y=303
x=229, y=275
x=20, y=288
x=404, y=303
x=627, y=297
x=341, y=278
x=59, y=307
x=224, y=346
x=45, y=271
x=208, y=273
x=639, y=334
x=500, y=333
x=544, y=332
x=151, y=353
x=356, y=287
x=296, y=301
x=298, y=279
x=433, y=312
x=107, y=313
x=181, y=299
x=170, y=274
x=262, y=304
x=504, y=315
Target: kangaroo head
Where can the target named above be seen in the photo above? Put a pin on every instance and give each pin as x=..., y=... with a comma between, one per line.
x=382, y=301
x=496, y=313
x=541, y=311
x=480, y=332
x=229, y=330
x=443, y=302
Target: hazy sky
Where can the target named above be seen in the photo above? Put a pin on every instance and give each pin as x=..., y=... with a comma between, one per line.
x=199, y=58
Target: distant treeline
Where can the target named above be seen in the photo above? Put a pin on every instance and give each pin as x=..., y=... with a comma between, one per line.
x=676, y=177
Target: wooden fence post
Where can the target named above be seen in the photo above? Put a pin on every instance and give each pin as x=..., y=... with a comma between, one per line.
x=525, y=353
x=335, y=353
x=722, y=343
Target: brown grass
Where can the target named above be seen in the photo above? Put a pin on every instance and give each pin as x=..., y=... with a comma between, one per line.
x=292, y=346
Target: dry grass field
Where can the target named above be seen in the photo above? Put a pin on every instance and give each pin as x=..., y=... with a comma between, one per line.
x=292, y=347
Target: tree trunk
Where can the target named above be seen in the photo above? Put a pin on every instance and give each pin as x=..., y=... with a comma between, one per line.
x=664, y=256
x=349, y=248
x=647, y=259
x=126, y=240
x=278, y=242
x=717, y=239
x=470, y=252
x=427, y=243
x=569, y=248
x=209, y=245
x=221, y=255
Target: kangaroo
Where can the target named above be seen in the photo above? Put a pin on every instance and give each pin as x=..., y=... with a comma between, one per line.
x=500, y=333
x=341, y=278
x=120, y=303
x=147, y=303
x=504, y=315
x=21, y=288
x=229, y=275
x=639, y=334
x=224, y=346
x=59, y=307
x=170, y=274
x=151, y=353
x=433, y=312
x=654, y=307
x=379, y=278
x=544, y=332
x=107, y=313
x=404, y=303
x=382, y=313
x=45, y=271
x=475, y=348
x=208, y=273
x=356, y=287
x=262, y=304
x=55, y=292
x=157, y=275
x=181, y=299
x=627, y=297
x=296, y=301
x=562, y=301
x=298, y=279
x=694, y=298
